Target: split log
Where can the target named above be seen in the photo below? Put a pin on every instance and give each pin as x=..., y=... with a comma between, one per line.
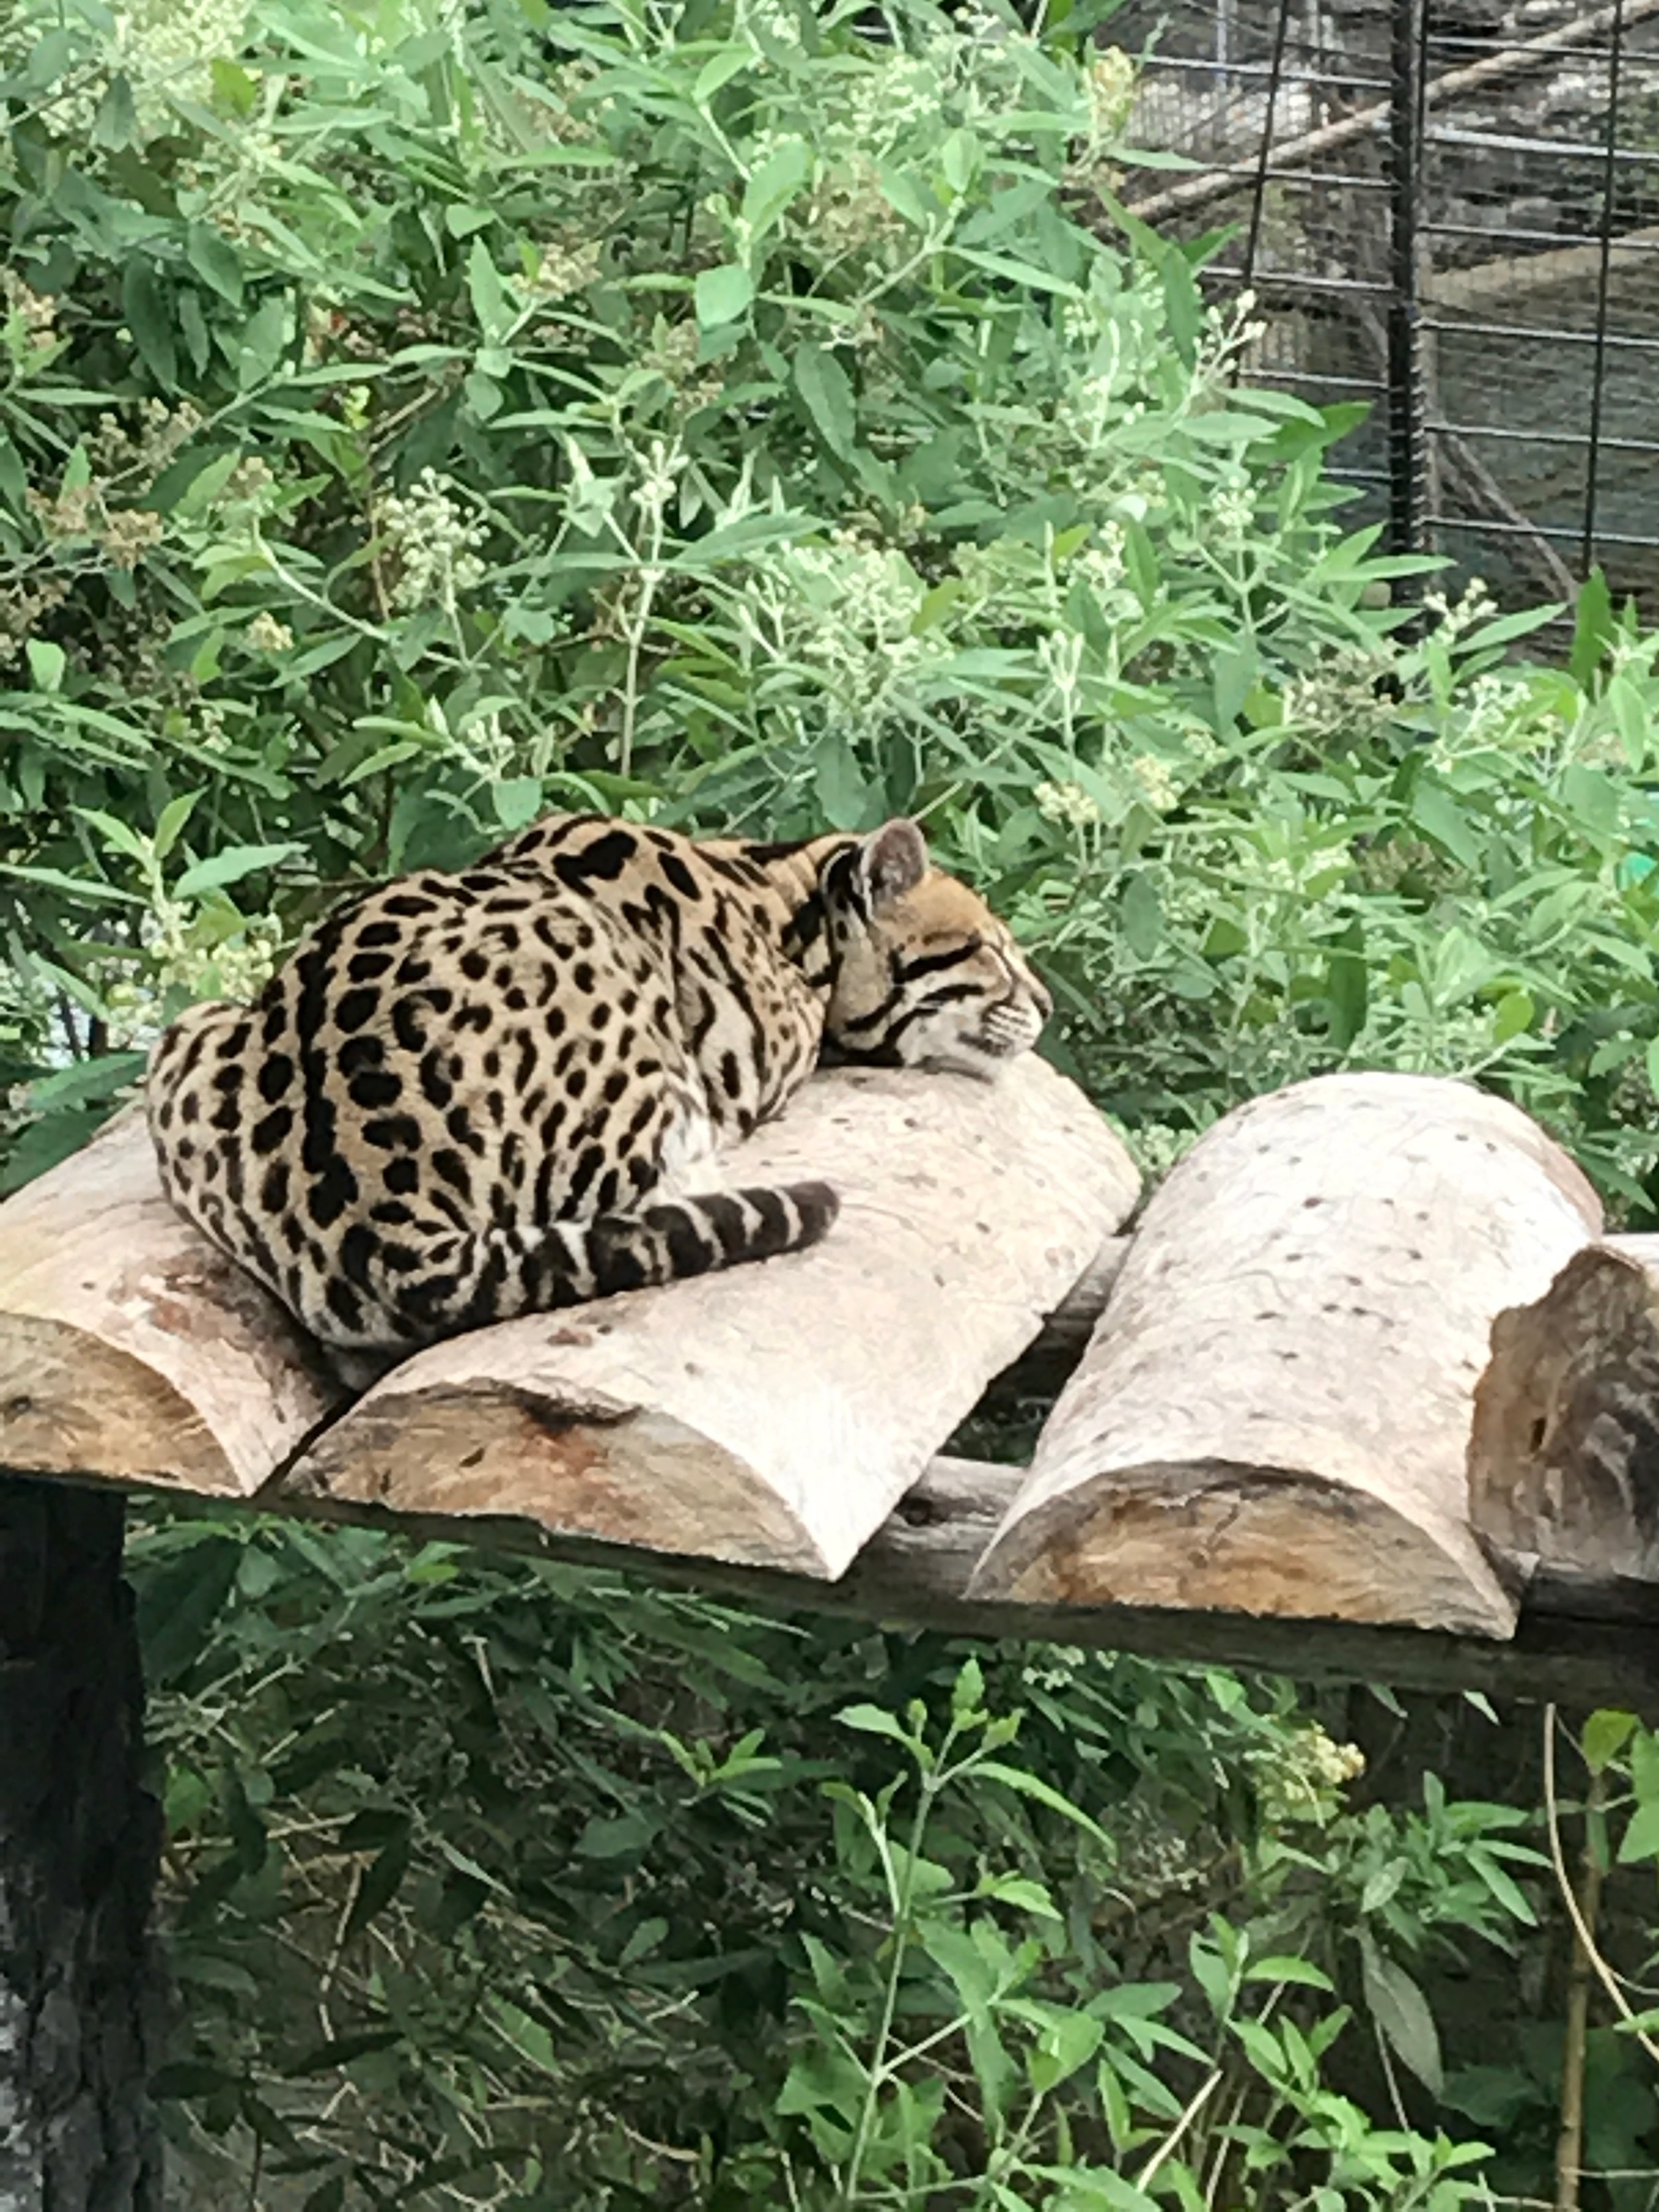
x=771, y=1415
x=130, y=1348
x=774, y=1413
x=1563, y=1460
x=1274, y=1415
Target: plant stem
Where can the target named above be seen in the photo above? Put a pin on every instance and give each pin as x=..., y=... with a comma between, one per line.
x=1569, y=2138
x=879, y=2069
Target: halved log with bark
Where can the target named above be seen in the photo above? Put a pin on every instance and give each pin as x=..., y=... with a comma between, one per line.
x=1274, y=1414
x=1563, y=1460
x=130, y=1348
x=771, y=1415
x=774, y=1414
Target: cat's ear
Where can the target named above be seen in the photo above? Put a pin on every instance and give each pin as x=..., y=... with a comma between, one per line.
x=892, y=860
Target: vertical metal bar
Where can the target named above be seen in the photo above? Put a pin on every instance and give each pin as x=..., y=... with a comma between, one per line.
x=1598, y=369
x=1264, y=151
x=1404, y=364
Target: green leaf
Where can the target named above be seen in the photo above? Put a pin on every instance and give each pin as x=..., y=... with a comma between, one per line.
x=382, y=1881
x=1644, y=1765
x=1593, y=629
x=1641, y=1837
x=87, y=1082
x=720, y=70
x=871, y=1720
x=490, y=301
x=1438, y=815
x=1286, y=1969
x=843, y=793
x=774, y=184
x=1605, y=1734
x=116, y=833
x=516, y=800
x=47, y=662
x=1140, y=912
x=145, y=304
x=116, y=124
x=215, y=260
x=827, y=394
x=179, y=1603
x=722, y=294
x=1348, y=986
x=1403, y=2014
x=1041, y=1793
x=1024, y=1895
x=231, y=865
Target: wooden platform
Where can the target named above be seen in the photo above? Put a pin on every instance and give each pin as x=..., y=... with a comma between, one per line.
x=1366, y=1390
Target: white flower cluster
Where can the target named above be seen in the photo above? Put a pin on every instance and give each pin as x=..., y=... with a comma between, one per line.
x=1111, y=90
x=177, y=956
x=1303, y=1778
x=265, y=634
x=1158, y=784
x=1338, y=697
x=1230, y=332
x=772, y=19
x=433, y=543
x=1066, y=803
x=1457, y=618
x=166, y=50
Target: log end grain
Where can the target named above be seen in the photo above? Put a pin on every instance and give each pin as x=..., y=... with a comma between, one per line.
x=565, y=1461
x=1564, y=1454
x=72, y=1404
x=1213, y=1537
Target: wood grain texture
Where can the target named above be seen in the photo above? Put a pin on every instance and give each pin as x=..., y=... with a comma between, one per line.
x=773, y=1414
x=1274, y=1414
x=1564, y=1458
x=130, y=1348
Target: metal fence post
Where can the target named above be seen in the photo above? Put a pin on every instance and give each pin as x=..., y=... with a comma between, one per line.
x=1407, y=458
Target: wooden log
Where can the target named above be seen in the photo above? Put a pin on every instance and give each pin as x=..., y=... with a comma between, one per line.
x=1274, y=1415
x=773, y=1415
x=1564, y=1459
x=132, y=1350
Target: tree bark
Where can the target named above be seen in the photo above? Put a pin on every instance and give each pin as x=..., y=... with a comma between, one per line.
x=1274, y=1415
x=80, y=1839
x=1563, y=1460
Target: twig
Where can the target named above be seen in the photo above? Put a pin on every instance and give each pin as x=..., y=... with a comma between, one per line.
x=1604, y=1973
x=1492, y=69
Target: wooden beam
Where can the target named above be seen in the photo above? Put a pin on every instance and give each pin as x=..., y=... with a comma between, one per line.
x=1577, y=1641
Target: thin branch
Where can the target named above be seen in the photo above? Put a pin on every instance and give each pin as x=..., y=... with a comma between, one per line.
x=1604, y=1973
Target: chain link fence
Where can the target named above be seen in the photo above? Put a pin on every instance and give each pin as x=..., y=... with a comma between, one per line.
x=1449, y=208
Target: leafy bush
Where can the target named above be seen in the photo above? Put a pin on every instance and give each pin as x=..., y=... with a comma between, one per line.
x=413, y=423
x=416, y=417
x=520, y=1887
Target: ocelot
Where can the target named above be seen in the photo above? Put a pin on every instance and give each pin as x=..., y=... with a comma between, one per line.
x=474, y=1096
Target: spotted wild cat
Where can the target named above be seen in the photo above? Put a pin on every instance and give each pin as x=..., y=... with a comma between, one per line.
x=474, y=1096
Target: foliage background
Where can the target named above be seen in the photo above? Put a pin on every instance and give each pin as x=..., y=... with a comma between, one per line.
x=418, y=415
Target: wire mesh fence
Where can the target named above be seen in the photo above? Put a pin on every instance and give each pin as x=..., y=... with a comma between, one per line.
x=1449, y=209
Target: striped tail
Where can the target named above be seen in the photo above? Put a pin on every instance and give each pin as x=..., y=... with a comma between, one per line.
x=500, y=1274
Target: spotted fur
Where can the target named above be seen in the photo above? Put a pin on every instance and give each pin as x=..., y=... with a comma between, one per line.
x=474, y=1096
